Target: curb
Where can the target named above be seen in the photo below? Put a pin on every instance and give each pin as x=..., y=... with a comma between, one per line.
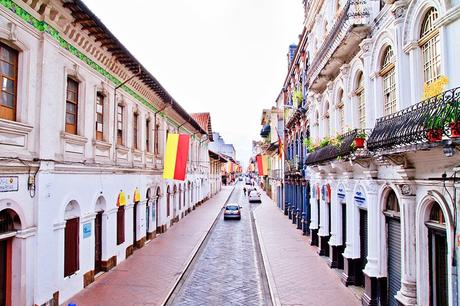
x=194, y=252
x=271, y=281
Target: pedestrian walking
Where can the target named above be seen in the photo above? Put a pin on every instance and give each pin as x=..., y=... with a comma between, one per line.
x=244, y=190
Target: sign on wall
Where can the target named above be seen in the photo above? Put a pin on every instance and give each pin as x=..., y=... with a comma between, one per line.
x=341, y=194
x=86, y=230
x=9, y=183
x=360, y=198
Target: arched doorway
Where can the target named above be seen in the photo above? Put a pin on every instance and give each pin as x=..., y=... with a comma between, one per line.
x=99, y=209
x=174, y=205
x=326, y=233
x=168, y=201
x=9, y=224
x=148, y=209
x=393, y=235
x=438, y=256
x=156, y=210
x=72, y=239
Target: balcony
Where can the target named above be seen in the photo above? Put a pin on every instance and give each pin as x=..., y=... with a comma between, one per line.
x=293, y=165
x=265, y=132
x=339, y=46
x=419, y=126
x=331, y=152
x=275, y=174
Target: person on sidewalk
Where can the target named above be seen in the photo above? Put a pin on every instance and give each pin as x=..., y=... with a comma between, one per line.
x=244, y=190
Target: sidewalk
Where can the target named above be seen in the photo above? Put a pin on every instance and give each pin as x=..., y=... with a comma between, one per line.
x=147, y=277
x=297, y=274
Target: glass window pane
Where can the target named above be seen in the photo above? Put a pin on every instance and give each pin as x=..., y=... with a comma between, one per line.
x=99, y=127
x=99, y=118
x=8, y=54
x=70, y=118
x=71, y=108
x=7, y=69
x=72, y=85
x=8, y=85
x=99, y=108
x=7, y=99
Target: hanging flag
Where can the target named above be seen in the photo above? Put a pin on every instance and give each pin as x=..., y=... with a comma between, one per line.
x=265, y=164
x=176, y=156
x=121, y=201
x=262, y=164
x=280, y=145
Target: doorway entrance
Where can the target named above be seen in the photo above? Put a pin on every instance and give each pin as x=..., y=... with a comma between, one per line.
x=98, y=243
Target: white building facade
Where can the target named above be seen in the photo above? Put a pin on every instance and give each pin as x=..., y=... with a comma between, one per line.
x=81, y=152
x=384, y=213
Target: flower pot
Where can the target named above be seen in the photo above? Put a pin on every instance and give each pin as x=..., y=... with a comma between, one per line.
x=434, y=135
x=454, y=129
x=359, y=143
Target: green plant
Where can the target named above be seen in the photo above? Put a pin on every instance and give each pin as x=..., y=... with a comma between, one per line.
x=297, y=97
x=339, y=158
x=361, y=134
x=353, y=146
x=309, y=144
x=324, y=142
x=336, y=141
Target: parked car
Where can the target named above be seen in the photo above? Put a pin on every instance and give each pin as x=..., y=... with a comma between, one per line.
x=254, y=197
x=232, y=211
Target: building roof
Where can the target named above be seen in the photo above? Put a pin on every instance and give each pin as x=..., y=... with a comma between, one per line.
x=95, y=28
x=217, y=156
x=204, y=120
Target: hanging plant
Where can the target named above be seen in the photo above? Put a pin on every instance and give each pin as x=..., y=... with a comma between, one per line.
x=297, y=97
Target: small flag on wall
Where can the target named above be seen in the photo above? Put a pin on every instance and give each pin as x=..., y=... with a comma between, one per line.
x=121, y=201
x=137, y=195
x=176, y=155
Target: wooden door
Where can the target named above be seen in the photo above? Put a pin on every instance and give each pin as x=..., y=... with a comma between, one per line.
x=98, y=243
x=134, y=224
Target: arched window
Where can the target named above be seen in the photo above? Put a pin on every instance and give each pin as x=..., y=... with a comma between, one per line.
x=429, y=43
x=387, y=72
x=392, y=202
x=340, y=113
x=359, y=91
x=438, y=256
x=436, y=215
x=326, y=120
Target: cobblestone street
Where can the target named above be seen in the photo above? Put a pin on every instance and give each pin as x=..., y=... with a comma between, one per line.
x=228, y=269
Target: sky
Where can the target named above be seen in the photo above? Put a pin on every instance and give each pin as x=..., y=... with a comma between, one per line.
x=226, y=57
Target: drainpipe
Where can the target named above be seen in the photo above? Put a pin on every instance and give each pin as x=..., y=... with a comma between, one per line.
x=115, y=110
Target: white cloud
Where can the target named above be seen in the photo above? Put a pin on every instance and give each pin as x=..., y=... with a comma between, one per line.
x=227, y=57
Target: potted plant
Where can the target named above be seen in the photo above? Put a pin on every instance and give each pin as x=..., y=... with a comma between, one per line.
x=359, y=139
x=309, y=145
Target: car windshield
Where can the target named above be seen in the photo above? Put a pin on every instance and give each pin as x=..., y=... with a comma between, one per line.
x=253, y=193
x=231, y=207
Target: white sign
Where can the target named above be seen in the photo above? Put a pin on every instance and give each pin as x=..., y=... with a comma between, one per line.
x=9, y=183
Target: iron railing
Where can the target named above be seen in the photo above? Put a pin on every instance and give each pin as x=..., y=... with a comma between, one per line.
x=425, y=122
x=276, y=174
x=331, y=151
x=293, y=165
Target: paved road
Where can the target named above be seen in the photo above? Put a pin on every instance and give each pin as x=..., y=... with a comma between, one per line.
x=228, y=269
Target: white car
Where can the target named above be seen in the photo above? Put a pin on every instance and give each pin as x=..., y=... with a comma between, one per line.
x=254, y=197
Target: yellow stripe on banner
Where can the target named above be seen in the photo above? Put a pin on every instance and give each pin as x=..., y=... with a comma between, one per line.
x=170, y=156
x=265, y=164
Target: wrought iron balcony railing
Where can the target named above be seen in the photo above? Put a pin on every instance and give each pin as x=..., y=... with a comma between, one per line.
x=331, y=151
x=293, y=165
x=425, y=122
x=276, y=174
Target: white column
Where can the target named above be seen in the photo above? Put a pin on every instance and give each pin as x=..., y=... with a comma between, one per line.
x=408, y=293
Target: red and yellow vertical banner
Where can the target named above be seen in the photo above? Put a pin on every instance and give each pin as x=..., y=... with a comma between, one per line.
x=176, y=155
x=262, y=164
